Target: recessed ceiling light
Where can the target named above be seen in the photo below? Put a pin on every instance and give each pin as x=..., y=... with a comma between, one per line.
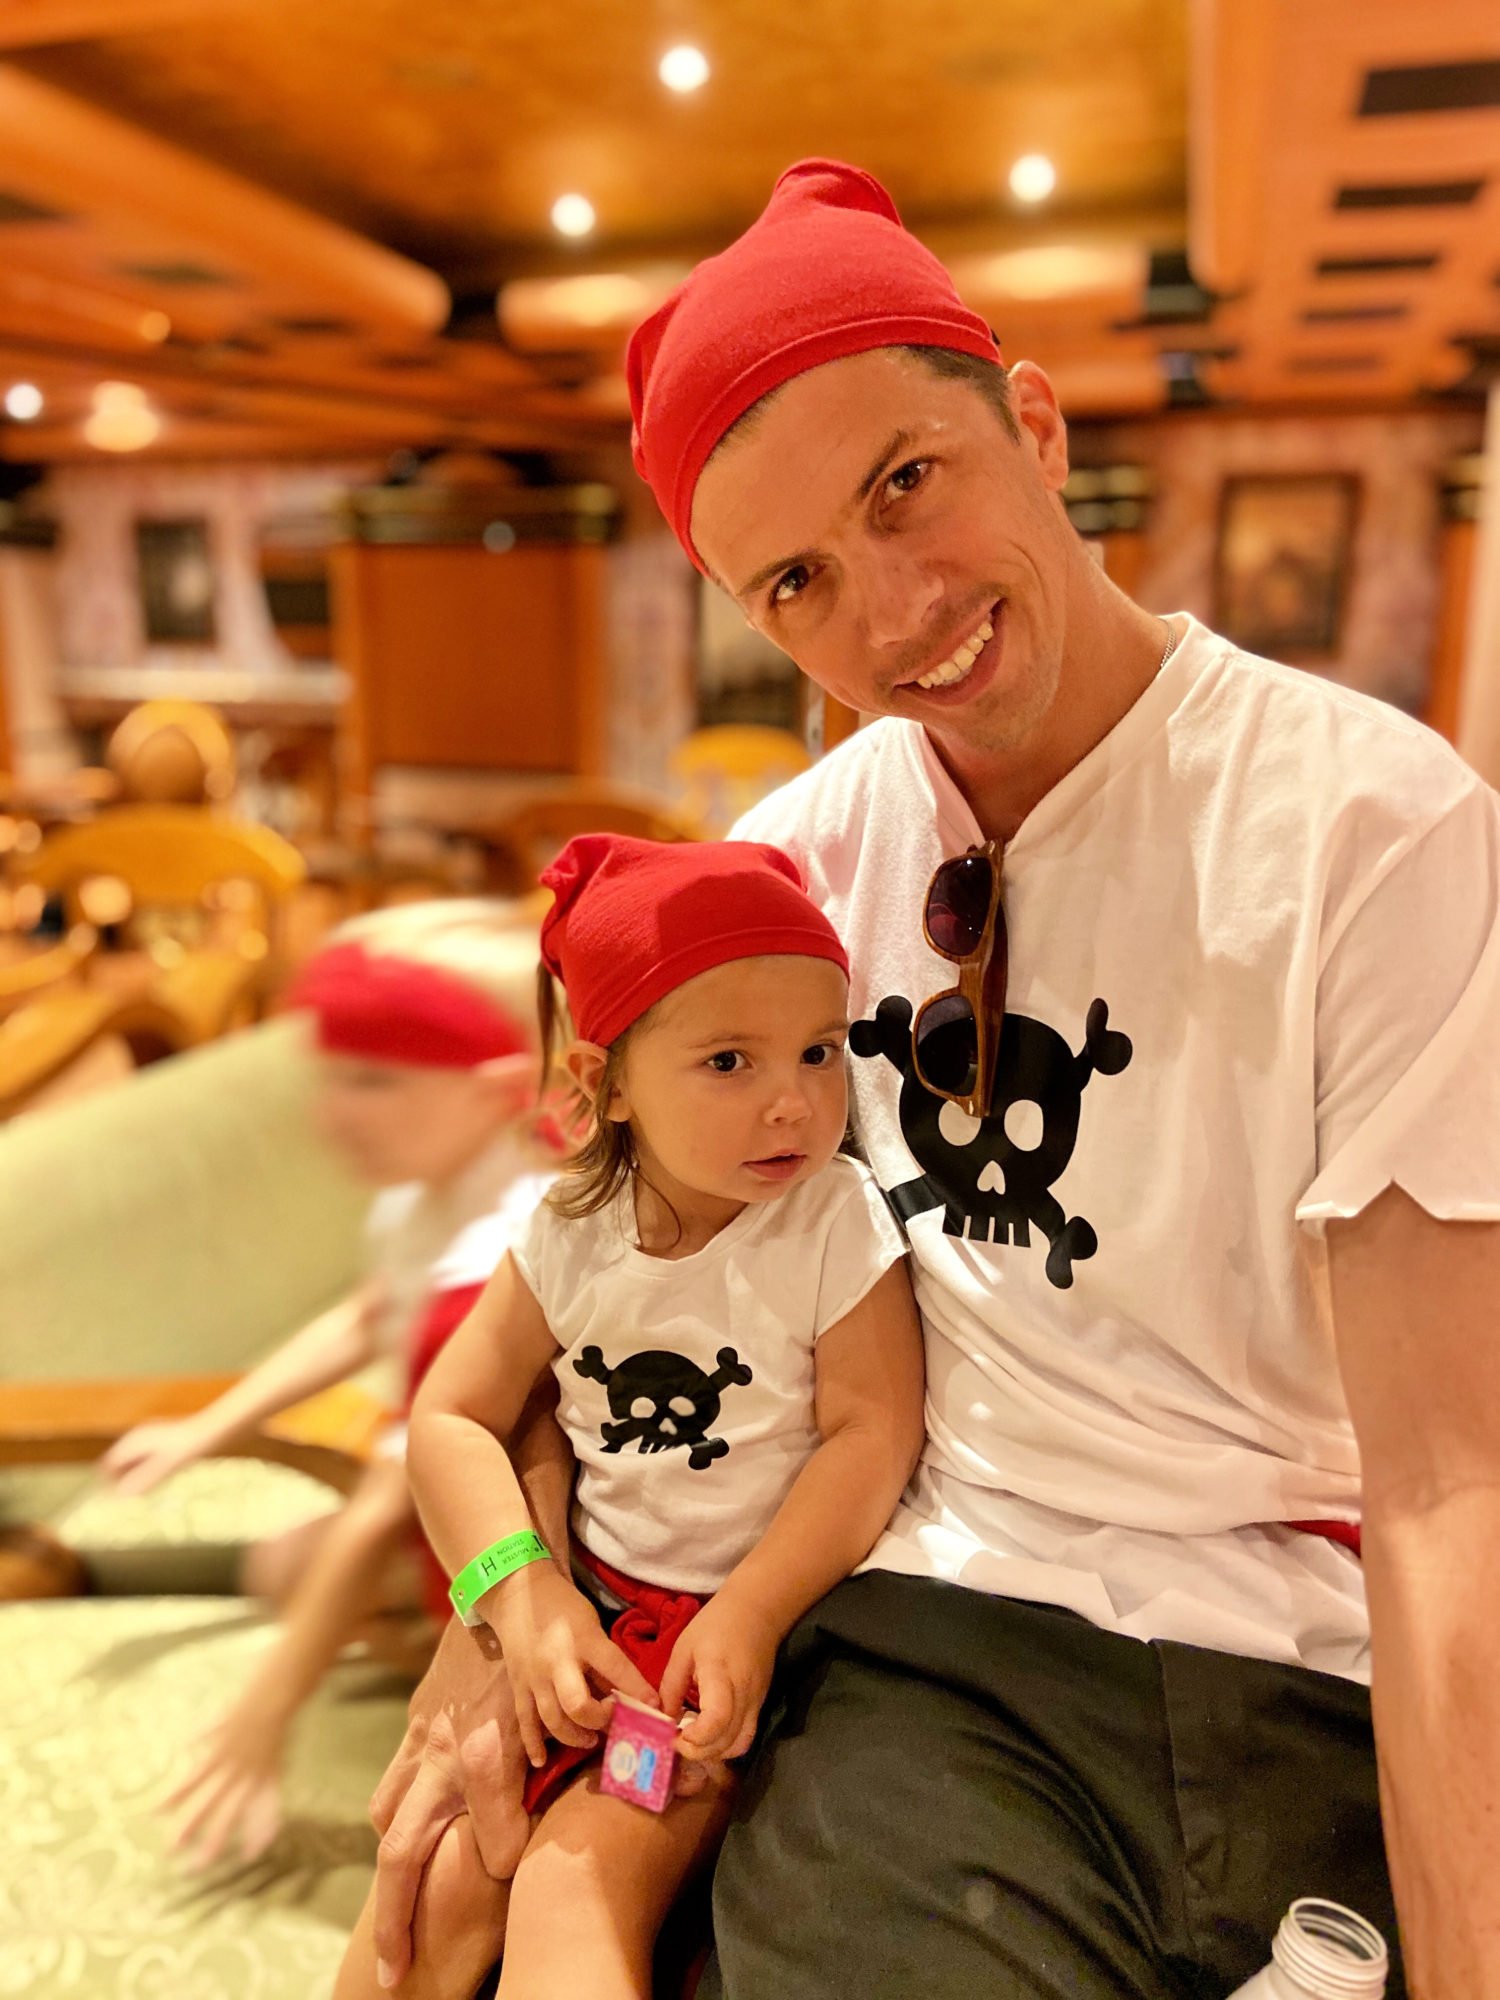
x=1033, y=177
x=683, y=68
x=573, y=215
x=24, y=401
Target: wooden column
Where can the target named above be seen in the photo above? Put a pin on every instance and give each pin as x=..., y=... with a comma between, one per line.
x=1456, y=553
x=1478, y=735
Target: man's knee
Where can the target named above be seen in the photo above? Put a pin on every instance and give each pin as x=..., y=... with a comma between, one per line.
x=461, y=1908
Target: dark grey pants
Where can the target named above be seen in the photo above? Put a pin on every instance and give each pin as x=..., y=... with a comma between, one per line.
x=958, y=1797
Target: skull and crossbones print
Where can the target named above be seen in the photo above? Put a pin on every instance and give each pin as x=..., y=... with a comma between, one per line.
x=663, y=1402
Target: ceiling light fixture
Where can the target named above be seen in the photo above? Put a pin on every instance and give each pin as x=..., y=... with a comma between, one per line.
x=122, y=419
x=573, y=215
x=24, y=401
x=683, y=69
x=1033, y=177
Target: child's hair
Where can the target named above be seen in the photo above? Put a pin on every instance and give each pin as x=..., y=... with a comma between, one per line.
x=605, y=1158
x=487, y=944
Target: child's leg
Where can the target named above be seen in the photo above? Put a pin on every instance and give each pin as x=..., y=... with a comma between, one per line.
x=457, y=1935
x=594, y=1886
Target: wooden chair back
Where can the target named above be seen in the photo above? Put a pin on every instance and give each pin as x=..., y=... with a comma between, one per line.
x=517, y=849
x=173, y=753
x=725, y=770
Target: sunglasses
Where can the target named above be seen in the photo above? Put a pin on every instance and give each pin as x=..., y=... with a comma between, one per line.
x=955, y=1036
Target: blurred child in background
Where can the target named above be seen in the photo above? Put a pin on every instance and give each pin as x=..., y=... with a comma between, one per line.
x=427, y=1085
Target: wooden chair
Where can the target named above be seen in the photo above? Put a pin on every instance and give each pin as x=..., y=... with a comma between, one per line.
x=168, y=863
x=27, y=975
x=172, y=753
x=725, y=770
x=515, y=852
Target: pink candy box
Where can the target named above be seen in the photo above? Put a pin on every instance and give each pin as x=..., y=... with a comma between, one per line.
x=640, y=1753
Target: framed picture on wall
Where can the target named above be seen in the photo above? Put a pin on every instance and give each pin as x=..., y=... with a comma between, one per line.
x=177, y=582
x=1284, y=552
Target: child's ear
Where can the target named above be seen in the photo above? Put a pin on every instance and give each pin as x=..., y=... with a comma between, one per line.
x=515, y=1081
x=584, y=1063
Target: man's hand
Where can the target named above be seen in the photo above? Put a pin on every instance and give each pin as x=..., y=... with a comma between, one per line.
x=727, y=1652
x=562, y=1667
x=461, y=1753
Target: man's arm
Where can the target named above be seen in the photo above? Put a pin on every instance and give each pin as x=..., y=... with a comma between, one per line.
x=1416, y=1306
x=462, y=1751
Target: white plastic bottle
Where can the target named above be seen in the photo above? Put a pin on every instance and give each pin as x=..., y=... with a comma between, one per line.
x=1322, y=1952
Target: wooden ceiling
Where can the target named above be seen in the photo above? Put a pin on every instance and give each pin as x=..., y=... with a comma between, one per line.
x=325, y=228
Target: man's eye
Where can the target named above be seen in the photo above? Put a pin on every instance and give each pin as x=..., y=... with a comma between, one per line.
x=789, y=585
x=906, y=478
x=724, y=1062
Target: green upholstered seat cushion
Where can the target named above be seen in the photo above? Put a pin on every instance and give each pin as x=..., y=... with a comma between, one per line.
x=98, y=1703
x=181, y=1223
x=184, y=1536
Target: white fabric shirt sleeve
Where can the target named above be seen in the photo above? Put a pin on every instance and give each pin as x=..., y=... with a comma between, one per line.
x=1408, y=1031
x=862, y=1243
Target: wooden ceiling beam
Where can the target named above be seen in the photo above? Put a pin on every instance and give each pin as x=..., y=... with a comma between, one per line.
x=72, y=156
x=1233, y=51
x=284, y=386
x=29, y=24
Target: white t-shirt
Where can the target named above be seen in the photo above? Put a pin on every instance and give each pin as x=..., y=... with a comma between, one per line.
x=1254, y=980
x=687, y=1384
x=423, y=1240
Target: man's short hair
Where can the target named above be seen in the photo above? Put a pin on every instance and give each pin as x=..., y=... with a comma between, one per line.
x=988, y=377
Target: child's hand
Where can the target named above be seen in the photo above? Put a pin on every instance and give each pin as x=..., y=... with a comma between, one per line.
x=562, y=1668
x=729, y=1651
x=150, y=1453
x=234, y=1787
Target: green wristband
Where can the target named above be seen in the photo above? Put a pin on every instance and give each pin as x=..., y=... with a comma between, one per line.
x=500, y=1560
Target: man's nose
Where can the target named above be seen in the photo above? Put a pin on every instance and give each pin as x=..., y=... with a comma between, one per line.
x=897, y=596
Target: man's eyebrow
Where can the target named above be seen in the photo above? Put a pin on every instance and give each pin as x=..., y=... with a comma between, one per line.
x=895, y=444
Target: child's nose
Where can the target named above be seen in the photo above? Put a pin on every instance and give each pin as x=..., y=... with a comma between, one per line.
x=789, y=1104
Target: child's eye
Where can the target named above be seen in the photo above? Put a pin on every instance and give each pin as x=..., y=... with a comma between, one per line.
x=822, y=1053
x=725, y=1062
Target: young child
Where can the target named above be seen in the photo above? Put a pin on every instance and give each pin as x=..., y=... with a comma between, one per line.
x=427, y=1085
x=724, y=1305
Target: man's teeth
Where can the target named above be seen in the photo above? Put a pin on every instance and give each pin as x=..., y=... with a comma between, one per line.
x=961, y=662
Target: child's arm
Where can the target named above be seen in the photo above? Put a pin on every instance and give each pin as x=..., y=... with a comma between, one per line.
x=469, y=1497
x=328, y=1349
x=236, y=1783
x=868, y=1387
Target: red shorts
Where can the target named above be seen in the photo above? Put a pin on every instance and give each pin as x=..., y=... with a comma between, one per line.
x=645, y=1631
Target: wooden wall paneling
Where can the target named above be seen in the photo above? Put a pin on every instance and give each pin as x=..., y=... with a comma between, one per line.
x=354, y=644
x=460, y=658
x=585, y=577
x=7, y=748
x=1455, y=589
x=1123, y=556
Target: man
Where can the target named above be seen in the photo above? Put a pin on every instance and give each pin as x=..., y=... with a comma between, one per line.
x=1176, y=976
